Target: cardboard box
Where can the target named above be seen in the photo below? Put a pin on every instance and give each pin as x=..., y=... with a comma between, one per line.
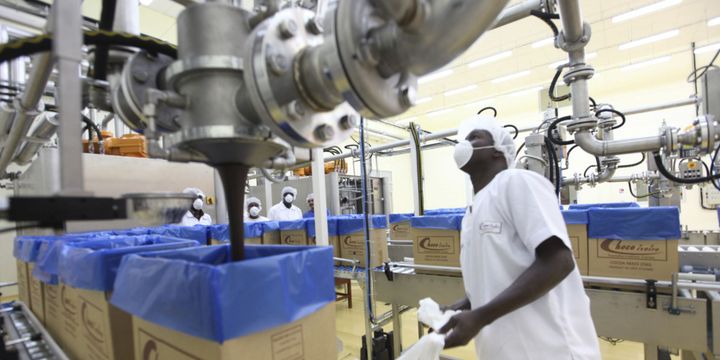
x=579, y=242
x=70, y=313
x=293, y=237
x=311, y=337
x=400, y=230
x=635, y=259
x=36, y=295
x=436, y=247
x=352, y=246
x=105, y=331
x=23, y=282
x=53, y=312
x=271, y=237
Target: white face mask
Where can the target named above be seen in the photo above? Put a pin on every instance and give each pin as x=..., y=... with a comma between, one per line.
x=254, y=211
x=198, y=204
x=464, y=151
x=289, y=198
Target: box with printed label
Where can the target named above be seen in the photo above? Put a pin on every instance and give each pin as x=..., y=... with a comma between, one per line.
x=400, y=226
x=333, y=239
x=256, y=233
x=639, y=243
x=22, y=282
x=576, y=222
x=436, y=241
x=352, y=239
x=222, y=321
x=30, y=291
x=293, y=232
x=88, y=269
x=37, y=295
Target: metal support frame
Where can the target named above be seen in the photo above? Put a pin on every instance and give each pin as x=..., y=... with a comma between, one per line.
x=416, y=176
x=318, y=182
x=67, y=52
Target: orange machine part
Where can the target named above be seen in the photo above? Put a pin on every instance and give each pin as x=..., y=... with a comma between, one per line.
x=132, y=145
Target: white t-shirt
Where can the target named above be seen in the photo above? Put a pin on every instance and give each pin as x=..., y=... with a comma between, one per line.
x=509, y=218
x=281, y=213
x=190, y=220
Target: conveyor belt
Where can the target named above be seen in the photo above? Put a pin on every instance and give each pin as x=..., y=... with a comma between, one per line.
x=25, y=338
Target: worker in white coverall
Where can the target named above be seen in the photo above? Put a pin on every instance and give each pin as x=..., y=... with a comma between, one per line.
x=285, y=210
x=195, y=215
x=525, y=297
x=253, y=208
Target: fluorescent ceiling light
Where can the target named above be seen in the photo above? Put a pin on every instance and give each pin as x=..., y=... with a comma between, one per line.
x=423, y=100
x=511, y=76
x=435, y=76
x=490, y=59
x=588, y=56
x=647, y=63
x=146, y=2
x=543, y=42
x=707, y=48
x=645, y=10
x=649, y=39
x=438, y=112
x=525, y=91
x=714, y=21
x=461, y=90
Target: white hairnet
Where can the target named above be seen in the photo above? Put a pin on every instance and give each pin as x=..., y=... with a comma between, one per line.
x=502, y=140
x=194, y=191
x=311, y=196
x=253, y=200
x=289, y=189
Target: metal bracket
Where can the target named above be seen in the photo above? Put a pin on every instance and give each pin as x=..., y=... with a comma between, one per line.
x=650, y=294
x=562, y=43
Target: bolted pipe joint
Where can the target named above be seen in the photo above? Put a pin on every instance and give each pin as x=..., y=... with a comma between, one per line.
x=568, y=45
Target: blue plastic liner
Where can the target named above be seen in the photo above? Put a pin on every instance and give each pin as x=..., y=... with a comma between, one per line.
x=350, y=225
x=575, y=217
x=93, y=265
x=201, y=293
x=46, y=265
x=439, y=222
x=332, y=227
x=655, y=223
x=221, y=232
x=26, y=248
x=603, y=206
x=292, y=225
x=445, y=211
x=396, y=218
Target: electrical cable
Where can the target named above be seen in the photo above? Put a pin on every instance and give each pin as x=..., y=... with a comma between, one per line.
x=586, y=170
x=712, y=168
x=517, y=131
x=94, y=127
x=366, y=224
x=488, y=108
x=547, y=19
x=641, y=196
x=519, y=149
x=694, y=76
x=41, y=43
x=633, y=164
x=102, y=51
x=592, y=102
x=554, y=167
x=552, y=127
x=553, y=83
x=669, y=176
x=618, y=113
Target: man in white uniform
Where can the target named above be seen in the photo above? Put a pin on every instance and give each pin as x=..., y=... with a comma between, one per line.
x=195, y=215
x=525, y=297
x=285, y=210
x=253, y=209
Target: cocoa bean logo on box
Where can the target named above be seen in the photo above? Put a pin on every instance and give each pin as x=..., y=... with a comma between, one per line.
x=67, y=305
x=349, y=241
x=150, y=351
x=434, y=245
x=92, y=327
x=629, y=247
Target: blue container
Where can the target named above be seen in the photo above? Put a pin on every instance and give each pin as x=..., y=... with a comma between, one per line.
x=200, y=292
x=603, y=206
x=92, y=265
x=654, y=223
x=438, y=222
x=575, y=217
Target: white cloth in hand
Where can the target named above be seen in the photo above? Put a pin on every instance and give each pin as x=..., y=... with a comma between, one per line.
x=429, y=314
x=430, y=345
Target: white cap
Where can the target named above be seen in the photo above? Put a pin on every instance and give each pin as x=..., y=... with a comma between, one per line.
x=194, y=191
x=310, y=196
x=502, y=140
x=253, y=200
x=289, y=189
